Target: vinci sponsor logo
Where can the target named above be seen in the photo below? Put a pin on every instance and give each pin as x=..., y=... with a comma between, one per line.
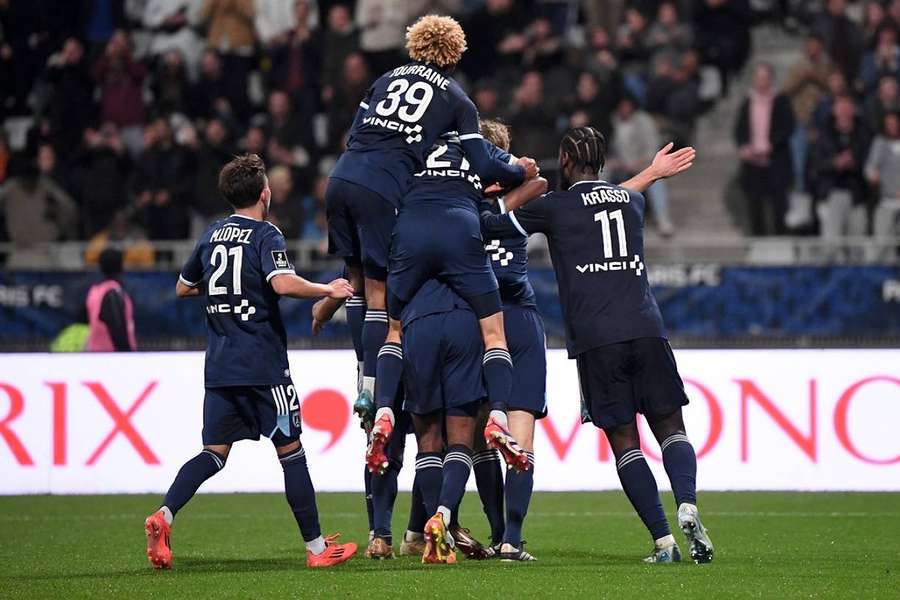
x=636, y=265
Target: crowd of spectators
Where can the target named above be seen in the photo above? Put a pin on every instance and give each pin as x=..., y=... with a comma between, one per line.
x=821, y=152
x=133, y=105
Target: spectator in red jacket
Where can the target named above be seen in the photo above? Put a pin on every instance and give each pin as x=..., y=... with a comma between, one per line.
x=120, y=79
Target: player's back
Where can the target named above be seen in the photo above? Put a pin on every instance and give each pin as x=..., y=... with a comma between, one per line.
x=402, y=115
x=446, y=178
x=235, y=259
x=595, y=232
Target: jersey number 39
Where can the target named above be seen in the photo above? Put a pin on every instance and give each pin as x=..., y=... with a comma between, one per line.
x=411, y=100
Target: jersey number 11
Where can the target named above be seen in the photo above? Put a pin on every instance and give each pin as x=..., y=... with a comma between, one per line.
x=605, y=217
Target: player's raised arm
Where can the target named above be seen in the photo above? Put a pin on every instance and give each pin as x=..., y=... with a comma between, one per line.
x=294, y=286
x=491, y=168
x=665, y=164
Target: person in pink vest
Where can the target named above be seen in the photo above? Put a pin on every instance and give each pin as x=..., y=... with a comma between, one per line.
x=109, y=308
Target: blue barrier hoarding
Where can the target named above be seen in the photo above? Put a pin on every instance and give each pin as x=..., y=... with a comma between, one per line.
x=696, y=300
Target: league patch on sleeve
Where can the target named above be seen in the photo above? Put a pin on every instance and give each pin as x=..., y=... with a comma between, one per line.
x=280, y=259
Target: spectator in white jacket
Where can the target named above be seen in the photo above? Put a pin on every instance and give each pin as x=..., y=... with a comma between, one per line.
x=883, y=172
x=635, y=141
x=275, y=19
x=171, y=25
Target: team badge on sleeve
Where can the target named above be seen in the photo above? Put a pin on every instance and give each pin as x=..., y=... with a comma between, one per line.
x=279, y=257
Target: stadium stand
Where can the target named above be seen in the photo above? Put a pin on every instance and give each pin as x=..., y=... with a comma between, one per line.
x=118, y=114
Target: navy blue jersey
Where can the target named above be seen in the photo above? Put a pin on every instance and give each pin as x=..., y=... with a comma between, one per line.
x=509, y=259
x=401, y=117
x=595, y=231
x=235, y=260
x=447, y=178
x=432, y=298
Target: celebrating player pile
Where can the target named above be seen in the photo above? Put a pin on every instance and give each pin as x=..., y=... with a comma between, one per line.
x=431, y=214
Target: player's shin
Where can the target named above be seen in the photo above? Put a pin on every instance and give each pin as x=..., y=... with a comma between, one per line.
x=384, y=494
x=356, y=314
x=680, y=462
x=370, y=511
x=429, y=473
x=301, y=496
x=414, y=538
x=640, y=487
x=388, y=374
x=374, y=332
x=519, y=485
x=189, y=479
x=489, y=480
x=457, y=467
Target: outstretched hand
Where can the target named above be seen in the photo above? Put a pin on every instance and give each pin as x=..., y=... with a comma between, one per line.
x=667, y=163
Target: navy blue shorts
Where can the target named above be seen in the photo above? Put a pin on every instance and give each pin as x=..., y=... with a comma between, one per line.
x=440, y=243
x=231, y=414
x=442, y=356
x=527, y=345
x=360, y=223
x=620, y=380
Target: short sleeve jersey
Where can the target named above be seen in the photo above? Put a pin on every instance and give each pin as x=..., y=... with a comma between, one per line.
x=233, y=263
x=401, y=117
x=595, y=232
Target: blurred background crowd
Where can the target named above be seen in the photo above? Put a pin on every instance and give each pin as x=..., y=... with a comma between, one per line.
x=119, y=113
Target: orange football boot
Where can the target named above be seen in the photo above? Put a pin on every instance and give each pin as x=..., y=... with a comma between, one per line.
x=376, y=457
x=334, y=553
x=498, y=437
x=438, y=543
x=158, y=550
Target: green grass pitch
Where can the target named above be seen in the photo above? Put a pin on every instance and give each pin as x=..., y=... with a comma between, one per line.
x=589, y=545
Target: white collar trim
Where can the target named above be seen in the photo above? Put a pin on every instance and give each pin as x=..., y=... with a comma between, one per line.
x=587, y=181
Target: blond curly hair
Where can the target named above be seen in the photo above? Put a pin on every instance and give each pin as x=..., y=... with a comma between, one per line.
x=496, y=132
x=436, y=40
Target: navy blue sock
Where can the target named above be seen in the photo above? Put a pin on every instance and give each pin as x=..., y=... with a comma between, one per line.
x=518, y=495
x=374, y=332
x=429, y=467
x=370, y=509
x=457, y=467
x=498, y=377
x=489, y=479
x=190, y=477
x=356, y=314
x=384, y=494
x=640, y=487
x=681, y=467
x=300, y=494
x=417, y=513
x=388, y=373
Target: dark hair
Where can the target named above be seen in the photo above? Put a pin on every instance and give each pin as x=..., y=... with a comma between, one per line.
x=111, y=262
x=586, y=147
x=242, y=180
